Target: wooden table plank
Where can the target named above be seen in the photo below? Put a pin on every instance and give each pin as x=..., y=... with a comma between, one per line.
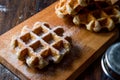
x=87, y=46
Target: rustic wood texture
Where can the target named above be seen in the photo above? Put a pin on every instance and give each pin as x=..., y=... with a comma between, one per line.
x=87, y=47
x=19, y=10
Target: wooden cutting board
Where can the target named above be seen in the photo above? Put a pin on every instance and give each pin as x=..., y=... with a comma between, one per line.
x=87, y=46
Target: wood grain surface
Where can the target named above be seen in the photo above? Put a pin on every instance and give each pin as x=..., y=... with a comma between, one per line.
x=19, y=10
x=87, y=46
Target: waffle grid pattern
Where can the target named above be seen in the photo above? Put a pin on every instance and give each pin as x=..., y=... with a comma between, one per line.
x=40, y=45
x=69, y=7
x=97, y=16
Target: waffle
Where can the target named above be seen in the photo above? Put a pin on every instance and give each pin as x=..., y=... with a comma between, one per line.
x=69, y=7
x=98, y=16
x=41, y=45
x=60, y=9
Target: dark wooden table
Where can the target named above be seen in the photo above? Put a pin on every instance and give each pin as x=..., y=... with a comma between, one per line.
x=93, y=72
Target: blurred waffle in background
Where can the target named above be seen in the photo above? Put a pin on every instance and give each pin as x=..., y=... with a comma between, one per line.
x=95, y=15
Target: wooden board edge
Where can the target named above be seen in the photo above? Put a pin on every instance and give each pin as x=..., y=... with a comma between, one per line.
x=91, y=60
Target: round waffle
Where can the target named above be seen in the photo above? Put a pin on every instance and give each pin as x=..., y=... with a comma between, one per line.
x=39, y=46
x=97, y=16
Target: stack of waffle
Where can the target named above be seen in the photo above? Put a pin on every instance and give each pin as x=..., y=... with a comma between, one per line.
x=39, y=46
x=95, y=15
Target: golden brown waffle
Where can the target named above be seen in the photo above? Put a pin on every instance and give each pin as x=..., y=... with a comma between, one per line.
x=60, y=9
x=97, y=16
x=70, y=7
x=41, y=45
